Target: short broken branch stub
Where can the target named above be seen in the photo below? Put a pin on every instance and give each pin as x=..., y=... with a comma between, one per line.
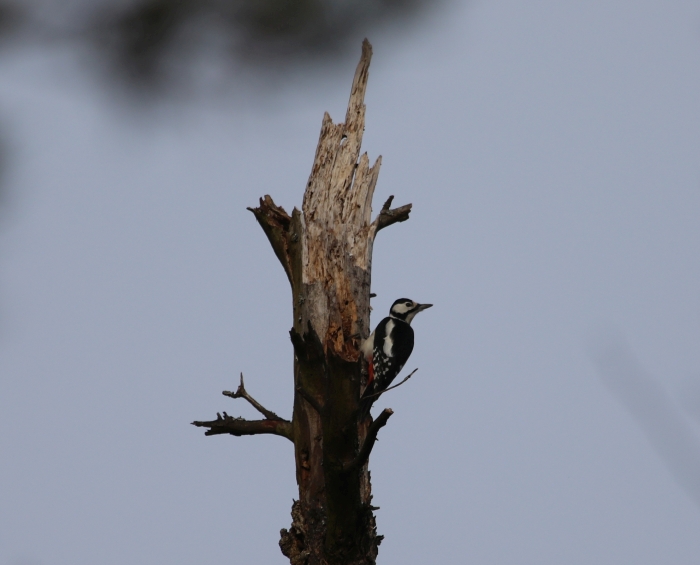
x=275, y=222
x=366, y=449
x=387, y=216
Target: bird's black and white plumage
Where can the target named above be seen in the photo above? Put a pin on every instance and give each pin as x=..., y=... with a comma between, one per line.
x=390, y=345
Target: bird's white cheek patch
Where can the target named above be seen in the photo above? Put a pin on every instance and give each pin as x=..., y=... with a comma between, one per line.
x=388, y=344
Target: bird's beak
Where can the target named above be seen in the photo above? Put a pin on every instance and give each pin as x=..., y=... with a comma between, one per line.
x=422, y=307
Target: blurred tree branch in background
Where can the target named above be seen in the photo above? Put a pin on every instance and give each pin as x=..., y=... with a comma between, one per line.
x=147, y=43
x=658, y=416
x=163, y=47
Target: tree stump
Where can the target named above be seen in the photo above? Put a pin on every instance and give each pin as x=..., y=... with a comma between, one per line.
x=326, y=252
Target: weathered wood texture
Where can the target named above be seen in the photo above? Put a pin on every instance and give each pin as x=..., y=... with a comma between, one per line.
x=326, y=252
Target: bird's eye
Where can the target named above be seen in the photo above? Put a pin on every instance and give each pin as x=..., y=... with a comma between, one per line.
x=409, y=303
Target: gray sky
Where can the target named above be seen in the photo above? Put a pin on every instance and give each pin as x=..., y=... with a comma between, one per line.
x=550, y=150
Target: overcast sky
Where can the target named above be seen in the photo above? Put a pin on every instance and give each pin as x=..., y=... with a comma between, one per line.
x=550, y=150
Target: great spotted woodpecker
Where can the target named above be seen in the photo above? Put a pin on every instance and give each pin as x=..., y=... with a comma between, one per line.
x=389, y=346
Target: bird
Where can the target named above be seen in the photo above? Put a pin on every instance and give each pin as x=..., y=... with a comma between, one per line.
x=388, y=347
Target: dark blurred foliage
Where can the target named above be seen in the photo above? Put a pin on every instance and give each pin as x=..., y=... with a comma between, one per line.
x=164, y=46
x=11, y=18
x=143, y=36
x=167, y=46
x=148, y=42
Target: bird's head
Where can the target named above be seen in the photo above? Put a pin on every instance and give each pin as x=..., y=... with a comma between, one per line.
x=406, y=309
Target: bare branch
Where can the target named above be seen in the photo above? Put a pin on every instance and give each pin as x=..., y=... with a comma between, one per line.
x=242, y=393
x=366, y=449
x=387, y=216
x=391, y=387
x=226, y=424
x=239, y=427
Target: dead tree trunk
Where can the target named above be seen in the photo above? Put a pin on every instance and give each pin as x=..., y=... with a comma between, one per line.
x=326, y=251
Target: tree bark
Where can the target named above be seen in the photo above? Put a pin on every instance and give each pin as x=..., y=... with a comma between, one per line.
x=326, y=252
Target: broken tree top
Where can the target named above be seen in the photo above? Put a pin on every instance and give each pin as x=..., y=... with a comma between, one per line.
x=328, y=246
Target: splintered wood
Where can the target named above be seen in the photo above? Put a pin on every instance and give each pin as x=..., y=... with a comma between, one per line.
x=338, y=234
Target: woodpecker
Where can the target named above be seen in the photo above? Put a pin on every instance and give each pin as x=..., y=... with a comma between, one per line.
x=390, y=346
